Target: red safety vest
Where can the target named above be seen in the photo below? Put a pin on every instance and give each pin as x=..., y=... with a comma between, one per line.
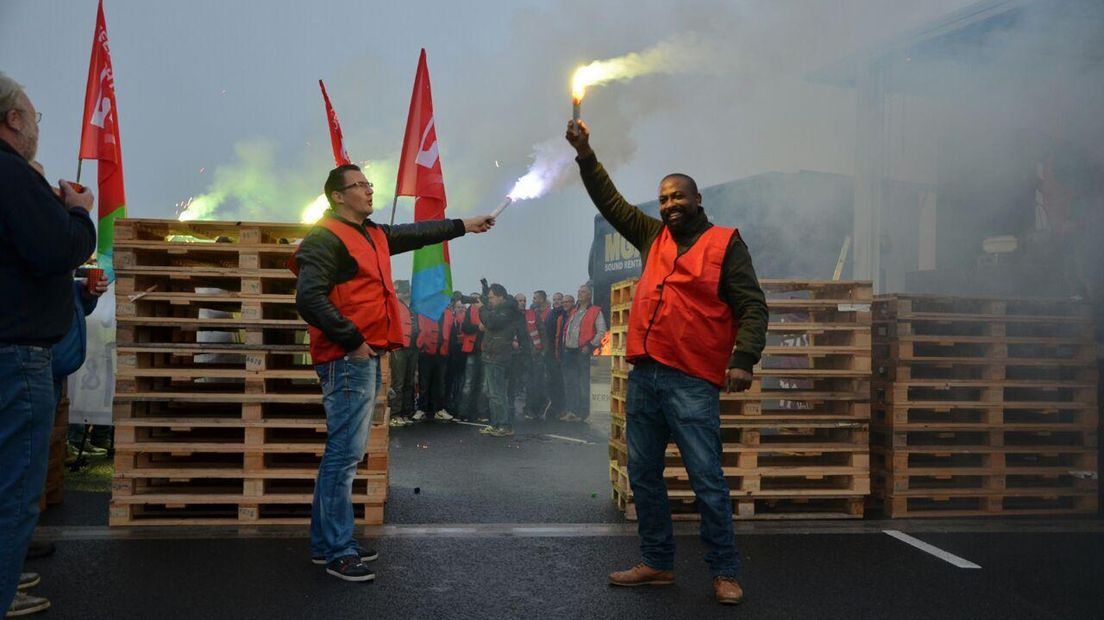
x=467, y=341
x=433, y=336
x=677, y=317
x=407, y=324
x=588, y=328
x=560, y=333
x=447, y=321
x=368, y=299
x=531, y=321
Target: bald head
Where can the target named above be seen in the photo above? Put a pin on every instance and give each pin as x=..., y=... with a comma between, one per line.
x=690, y=184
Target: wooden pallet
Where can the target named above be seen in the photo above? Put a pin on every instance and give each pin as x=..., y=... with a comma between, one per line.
x=982, y=436
x=970, y=503
x=684, y=507
x=983, y=406
x=622, y=292
x=1051, y=416
x=763, y=481
x=981, y=308
x=796, y=444
x=200, y=231
x=228, y=431
x=229, y=510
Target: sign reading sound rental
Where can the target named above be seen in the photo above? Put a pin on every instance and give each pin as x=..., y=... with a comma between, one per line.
x=620, y=255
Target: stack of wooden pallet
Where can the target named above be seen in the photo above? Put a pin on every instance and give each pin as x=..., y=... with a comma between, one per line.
x=984, y=406
x=218, y=412
x=796, y=445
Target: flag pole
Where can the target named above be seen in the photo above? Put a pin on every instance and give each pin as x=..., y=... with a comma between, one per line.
x=79, y=162
x=394, y=205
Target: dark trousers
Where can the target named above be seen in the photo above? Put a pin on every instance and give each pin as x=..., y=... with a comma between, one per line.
x=555, y=386
x=536, y=390
x=474, y=398
x=517, y=380
x=494, y=386
x=404, y=367
x=576, y=381
x=431, y=382
x=454, y=381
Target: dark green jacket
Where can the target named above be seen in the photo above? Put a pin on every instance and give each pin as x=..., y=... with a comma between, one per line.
x=739, y=286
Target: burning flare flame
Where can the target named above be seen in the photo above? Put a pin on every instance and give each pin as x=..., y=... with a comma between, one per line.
x=314, y=211
x=686, y=53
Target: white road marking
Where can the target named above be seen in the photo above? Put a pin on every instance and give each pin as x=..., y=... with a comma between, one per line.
x=950, y=558
x=583, y=441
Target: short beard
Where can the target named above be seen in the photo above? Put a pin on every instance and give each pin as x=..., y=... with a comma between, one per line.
x=29, y=148
x=680, y=226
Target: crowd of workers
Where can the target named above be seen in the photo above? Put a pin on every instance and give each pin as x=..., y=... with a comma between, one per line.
x=492, y=357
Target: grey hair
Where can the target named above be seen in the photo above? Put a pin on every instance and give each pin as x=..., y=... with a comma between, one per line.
x=9, y=93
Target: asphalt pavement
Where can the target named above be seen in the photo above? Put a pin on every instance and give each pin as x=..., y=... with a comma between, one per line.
x=523, y=527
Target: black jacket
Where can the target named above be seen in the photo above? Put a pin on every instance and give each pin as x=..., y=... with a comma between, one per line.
x=41, y=243
x=503, y=325
x=324, y=262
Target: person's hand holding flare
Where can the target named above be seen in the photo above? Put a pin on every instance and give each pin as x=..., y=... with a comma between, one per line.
x=578, y=136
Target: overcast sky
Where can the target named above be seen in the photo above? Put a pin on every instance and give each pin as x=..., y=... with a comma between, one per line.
x=222, y=95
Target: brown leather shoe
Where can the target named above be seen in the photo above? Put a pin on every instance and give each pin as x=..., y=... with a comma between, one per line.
x=642, y=575
x=728, y=591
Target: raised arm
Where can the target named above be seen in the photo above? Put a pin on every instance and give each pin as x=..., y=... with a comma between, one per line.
x=637, y=227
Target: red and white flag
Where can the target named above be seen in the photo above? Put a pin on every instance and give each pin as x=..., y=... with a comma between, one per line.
x=100, y=141
x=341, y=156
x=420, y=176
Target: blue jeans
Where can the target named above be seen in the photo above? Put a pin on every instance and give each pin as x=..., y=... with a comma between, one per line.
x=663, y=403
x=27, y=409
x=472, y=394
x=494, y=384
x=349, y=389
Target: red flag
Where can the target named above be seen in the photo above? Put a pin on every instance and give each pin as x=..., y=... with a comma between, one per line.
x=341, y=156
x=419, y=164
x=420, y=176
x=100, y=140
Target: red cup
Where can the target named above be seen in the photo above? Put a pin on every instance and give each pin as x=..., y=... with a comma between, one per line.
x=94, y=275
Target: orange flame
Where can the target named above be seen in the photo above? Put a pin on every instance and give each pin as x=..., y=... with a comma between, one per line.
x=606, y=347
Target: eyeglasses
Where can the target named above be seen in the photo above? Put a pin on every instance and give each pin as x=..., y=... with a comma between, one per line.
x=361, y=184
x=37, y=116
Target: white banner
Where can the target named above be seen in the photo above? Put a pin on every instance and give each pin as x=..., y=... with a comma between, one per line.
x=92, y=388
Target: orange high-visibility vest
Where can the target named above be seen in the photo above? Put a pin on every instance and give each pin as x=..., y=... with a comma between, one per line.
x=433, y=336
x=407, y=324
x=588, y=328
x=368, y=299
x=678, y=317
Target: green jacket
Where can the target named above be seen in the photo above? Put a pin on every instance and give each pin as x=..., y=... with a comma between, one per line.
x=739, y=286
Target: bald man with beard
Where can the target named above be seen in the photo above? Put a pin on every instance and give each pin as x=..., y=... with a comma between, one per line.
x=698, y=324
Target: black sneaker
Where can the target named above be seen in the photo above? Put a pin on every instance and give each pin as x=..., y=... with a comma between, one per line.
x=366, y=555
x=24, y=605
x=350, y=568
